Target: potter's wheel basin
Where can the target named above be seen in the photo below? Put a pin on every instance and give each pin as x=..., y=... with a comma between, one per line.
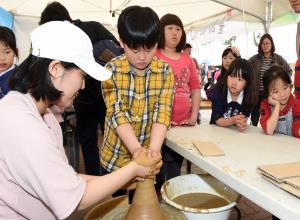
x=116, y=209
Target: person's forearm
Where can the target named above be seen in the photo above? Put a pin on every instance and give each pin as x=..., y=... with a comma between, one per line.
x=196, y=98
x=273, y=120
x=85, y=176
x=158, y=133
x=225, y=122
x=127, y=135
x=99, y=187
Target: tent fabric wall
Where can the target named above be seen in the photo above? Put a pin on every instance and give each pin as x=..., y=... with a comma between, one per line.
x=195, y=14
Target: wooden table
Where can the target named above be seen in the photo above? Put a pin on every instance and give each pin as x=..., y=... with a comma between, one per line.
x=243, y=153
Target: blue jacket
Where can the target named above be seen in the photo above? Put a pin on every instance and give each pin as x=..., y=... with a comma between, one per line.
x=221, y=108
x=4, y=89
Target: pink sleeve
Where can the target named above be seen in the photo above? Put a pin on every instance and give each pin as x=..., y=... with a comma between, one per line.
x=194, y=82
x=217, y=74
x=40, y=166
x=57, y=112
x=265, y=113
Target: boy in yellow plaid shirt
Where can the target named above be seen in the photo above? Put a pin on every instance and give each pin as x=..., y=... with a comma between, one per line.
x=139, y=95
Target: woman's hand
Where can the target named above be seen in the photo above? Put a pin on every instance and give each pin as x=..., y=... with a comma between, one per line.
x=149, y=163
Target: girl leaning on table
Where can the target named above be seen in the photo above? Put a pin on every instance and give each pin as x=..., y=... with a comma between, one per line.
x=36, y=180
x=234, y=96
x=279, y=111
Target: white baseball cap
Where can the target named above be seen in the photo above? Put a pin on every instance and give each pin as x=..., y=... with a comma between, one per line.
x=61, y=40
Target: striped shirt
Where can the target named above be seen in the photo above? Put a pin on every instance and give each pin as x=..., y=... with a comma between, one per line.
x=265, y=65
x=140, y=100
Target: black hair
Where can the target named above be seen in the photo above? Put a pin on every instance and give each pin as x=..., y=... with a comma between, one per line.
x=187, y=45
x=268, y=36
x=32, y=76
x=241, y=68
x=273, y=73
x=225, y=53
x=138, y=27
x=55, y=11
x=171, y=19
x=7, y=37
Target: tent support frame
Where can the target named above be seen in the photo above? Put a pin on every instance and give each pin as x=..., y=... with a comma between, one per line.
x=264, y=22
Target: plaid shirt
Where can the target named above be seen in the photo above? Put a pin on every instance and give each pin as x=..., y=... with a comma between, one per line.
x=140, y=100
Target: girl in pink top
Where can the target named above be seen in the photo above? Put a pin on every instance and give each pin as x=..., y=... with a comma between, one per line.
x=187, y=87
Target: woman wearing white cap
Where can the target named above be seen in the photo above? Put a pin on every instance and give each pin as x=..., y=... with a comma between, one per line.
x=36, y=180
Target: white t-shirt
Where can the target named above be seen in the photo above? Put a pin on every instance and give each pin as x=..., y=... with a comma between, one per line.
x=36, y=181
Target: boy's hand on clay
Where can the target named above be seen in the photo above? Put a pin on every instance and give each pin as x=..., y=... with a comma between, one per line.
x=149, y=159
x=137, y=151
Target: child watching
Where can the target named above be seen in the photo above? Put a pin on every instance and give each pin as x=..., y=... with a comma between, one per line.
x=228, y=56
x=187, y=87
x=280, y=111
x=234, y=96
x=139, y=95
x=8, y=53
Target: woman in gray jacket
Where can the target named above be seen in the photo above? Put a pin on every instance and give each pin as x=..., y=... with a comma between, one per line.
x=262, y=61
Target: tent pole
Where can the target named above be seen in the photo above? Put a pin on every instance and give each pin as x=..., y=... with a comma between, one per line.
x=266, y=26
x=269, y=15
x=239, y=9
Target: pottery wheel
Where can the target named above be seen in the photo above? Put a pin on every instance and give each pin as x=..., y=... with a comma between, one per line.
x=116, y=209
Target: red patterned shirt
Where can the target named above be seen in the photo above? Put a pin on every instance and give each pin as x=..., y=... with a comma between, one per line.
x=289, y=117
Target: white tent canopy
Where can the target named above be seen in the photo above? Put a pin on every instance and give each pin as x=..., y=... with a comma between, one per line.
x=195, y=14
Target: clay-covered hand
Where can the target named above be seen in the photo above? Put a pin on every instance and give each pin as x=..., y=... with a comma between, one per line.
x=149, y=159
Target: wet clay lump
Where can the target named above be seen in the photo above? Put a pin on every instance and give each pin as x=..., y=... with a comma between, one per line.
x=145, y=205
